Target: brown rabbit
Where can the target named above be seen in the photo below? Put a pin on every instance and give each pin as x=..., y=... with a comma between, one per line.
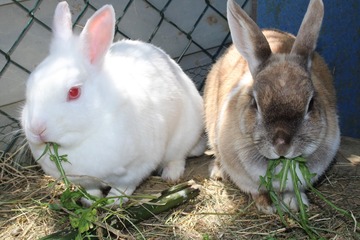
x=270, y=95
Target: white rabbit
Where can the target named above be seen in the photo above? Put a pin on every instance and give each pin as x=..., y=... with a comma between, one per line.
x=118, y=110
x=270, y=95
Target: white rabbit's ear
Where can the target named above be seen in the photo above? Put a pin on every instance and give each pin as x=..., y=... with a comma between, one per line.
x=62, y=27
x=308, y=34
x=98, y=34
x=247, y=37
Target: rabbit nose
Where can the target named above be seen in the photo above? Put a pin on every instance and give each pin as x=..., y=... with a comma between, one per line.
x=281, y=142
x=42, y=136
x=39, y=130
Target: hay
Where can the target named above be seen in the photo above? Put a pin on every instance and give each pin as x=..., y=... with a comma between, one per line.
x=221, y=211
x=23, y=192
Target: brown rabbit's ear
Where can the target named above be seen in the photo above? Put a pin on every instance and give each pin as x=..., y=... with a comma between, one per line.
x=308, y=34
x=247, y=37
x=62, y=27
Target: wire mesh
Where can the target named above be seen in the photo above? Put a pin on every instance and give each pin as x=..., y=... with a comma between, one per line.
x=193, y=53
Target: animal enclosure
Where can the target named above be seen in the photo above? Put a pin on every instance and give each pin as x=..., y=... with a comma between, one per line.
x=194, y=33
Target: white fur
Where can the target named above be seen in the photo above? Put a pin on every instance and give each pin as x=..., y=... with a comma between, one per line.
x=137, y=111
x=243, y=83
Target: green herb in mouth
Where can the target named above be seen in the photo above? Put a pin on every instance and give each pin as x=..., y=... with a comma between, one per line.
x=288, y=168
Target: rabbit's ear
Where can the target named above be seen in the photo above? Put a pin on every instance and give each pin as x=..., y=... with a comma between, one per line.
x=62, y=27
x=308, y=34
x=247, y=37
x=98, y=34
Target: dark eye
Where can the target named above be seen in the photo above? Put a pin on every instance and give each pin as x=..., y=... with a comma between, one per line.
x=311, y=105
x=253, y=103
x=74, y=93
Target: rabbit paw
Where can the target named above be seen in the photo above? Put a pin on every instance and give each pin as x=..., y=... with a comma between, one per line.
x=263, y=203
x=173, y=170
x=119, y=196
x=93, y=192
x=289, y=199
x=216, y=171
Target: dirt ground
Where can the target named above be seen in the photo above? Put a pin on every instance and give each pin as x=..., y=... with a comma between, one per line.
x=220, y=211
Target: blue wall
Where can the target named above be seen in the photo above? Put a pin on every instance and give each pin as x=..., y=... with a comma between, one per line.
x=339, y=44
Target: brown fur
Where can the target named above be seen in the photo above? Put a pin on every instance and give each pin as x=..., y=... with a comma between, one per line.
x=284, y=87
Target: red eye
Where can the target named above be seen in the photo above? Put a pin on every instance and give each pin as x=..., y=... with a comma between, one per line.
x=74, y=93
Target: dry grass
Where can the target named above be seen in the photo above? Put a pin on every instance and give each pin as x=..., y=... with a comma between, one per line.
x=24, y=190
x=221, y=211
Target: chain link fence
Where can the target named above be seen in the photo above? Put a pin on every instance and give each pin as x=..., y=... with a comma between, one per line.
x=194, y=33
